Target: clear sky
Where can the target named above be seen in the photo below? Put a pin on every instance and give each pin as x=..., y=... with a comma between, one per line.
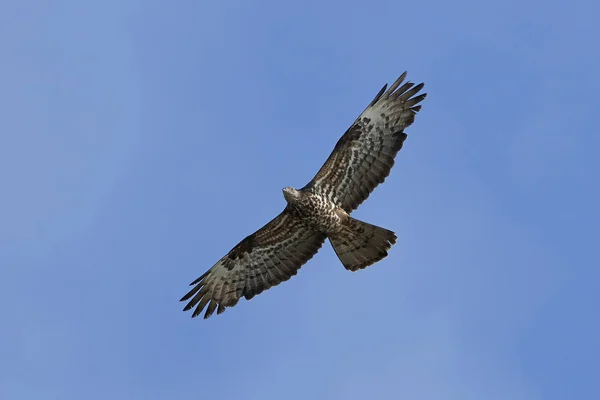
x=141, y=140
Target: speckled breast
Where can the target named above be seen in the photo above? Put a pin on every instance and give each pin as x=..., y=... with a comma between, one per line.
x=320, y=213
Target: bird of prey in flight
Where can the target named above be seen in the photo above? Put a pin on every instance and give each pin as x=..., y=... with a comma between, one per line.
x=361, y=160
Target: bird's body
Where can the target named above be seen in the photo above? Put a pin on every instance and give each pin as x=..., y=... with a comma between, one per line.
x=317, y=212
x=361, y=160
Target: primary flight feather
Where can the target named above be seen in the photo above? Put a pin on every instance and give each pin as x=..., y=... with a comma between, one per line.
x=361, y=160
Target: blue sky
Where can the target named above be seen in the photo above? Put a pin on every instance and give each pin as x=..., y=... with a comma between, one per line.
x=141, y=140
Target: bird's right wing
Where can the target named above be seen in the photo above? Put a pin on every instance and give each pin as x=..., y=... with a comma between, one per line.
x=264, y=259
x=364, y=155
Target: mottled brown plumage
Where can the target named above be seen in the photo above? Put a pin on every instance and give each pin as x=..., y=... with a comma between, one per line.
x=361, y=160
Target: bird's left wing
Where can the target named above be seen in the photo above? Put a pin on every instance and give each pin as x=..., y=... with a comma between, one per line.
x=364, y=155
x=264, y=259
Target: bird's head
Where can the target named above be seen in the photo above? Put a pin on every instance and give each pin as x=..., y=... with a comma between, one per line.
x=290, y=194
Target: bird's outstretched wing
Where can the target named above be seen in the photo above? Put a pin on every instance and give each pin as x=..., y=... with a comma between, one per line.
x=264, y=259
x=364, y=155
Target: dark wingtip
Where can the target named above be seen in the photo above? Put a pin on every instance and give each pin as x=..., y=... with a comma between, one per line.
x=190, y=293
x=376, y=99
x=395, y=84
x=200, y=278
x=212, y=305
x=416, y=100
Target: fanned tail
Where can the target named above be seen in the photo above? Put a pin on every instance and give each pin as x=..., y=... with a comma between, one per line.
x=361, y=244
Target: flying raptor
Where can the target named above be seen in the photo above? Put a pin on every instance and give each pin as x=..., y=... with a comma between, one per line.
x=361, y=160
